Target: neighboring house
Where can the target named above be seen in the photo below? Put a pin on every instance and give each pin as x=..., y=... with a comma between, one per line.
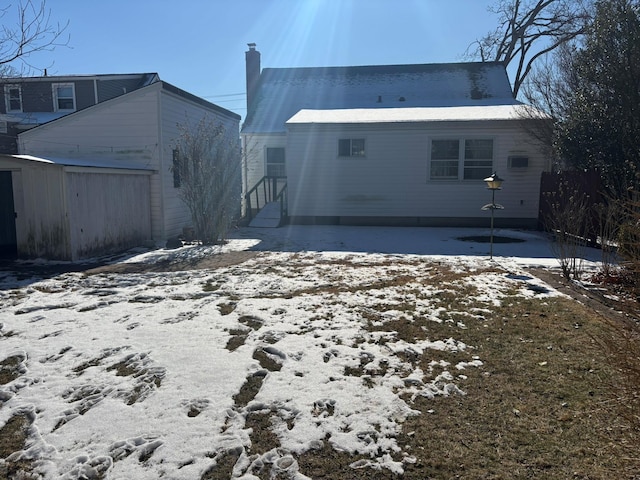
x=389, y=145
x=99, y=179
x=32, y=101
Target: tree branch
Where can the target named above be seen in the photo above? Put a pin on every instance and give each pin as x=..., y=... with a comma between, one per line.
x=32, y=32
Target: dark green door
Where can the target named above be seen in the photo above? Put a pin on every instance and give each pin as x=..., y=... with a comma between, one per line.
x=8, y=244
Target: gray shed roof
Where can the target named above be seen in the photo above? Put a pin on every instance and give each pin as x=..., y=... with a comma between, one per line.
x=282, y=92
x=80, y=162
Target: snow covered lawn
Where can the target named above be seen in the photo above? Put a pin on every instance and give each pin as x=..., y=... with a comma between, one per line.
x=166, y=374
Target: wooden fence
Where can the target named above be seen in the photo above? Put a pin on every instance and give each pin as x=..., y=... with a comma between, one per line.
x=558, y=186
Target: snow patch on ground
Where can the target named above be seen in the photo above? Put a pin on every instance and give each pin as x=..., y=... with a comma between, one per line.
x=134, y=373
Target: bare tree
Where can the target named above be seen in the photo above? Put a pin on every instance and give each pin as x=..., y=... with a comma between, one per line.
x=529, y=29
x=206, y=166
x=568, y=219
x=546, y=92
x=27, y=28
x=611, y=217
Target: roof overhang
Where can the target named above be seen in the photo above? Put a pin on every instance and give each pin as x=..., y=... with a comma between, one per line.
x=417, y=115
x=77, y=164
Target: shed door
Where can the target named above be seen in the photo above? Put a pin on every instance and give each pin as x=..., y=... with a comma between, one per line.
x=8, y=244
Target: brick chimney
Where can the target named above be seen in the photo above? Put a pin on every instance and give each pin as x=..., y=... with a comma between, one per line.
x=252, y=57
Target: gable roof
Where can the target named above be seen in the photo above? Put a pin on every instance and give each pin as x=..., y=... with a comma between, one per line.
x=199, y=100
x=105, y=87
x=282, y=92
x=158, y=85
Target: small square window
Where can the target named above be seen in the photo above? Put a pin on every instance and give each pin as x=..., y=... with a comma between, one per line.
x=351, y=147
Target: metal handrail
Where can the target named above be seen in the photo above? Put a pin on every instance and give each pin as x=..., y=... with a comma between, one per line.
x=282, y=198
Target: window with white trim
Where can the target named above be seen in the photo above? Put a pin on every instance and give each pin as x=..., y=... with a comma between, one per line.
x=445, y=156
x=351, y=147
x=64, y=97
x=276, y=162
x=13, y=98
x=461, y=159
x=478, y=158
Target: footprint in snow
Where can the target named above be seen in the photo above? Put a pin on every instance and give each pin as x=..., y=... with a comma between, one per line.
x=196, y=406
x=86, y=467
x=83, y=399
x=145, y=446
x=270, y=358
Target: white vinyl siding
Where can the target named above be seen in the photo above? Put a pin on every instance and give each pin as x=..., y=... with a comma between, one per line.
x=125, y=128
x=175, y=111
x=392, y=182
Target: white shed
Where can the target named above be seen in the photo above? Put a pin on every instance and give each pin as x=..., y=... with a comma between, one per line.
x=68, y=209
x=132, y=133
x=411, y=166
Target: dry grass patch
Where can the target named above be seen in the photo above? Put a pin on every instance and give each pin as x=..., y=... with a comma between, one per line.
x=11, y=368
x=13, y=437
x=541, y=406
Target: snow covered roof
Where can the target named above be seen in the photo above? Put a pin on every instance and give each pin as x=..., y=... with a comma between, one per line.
x=81, y=162
x=282, y=92
x=416, y=114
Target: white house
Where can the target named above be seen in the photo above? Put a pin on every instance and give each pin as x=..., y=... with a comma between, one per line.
x=99, y=179
x=390, y=144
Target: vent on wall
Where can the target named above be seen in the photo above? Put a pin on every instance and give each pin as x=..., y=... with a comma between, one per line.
x=518, y=161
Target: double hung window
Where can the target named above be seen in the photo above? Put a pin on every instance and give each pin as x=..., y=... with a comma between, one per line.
x=478, y=159
x=276, y=162
x=13, y=98
x=461, y=159
x=64, y=98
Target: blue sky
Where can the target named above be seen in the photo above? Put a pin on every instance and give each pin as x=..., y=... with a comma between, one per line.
x=199, y=45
